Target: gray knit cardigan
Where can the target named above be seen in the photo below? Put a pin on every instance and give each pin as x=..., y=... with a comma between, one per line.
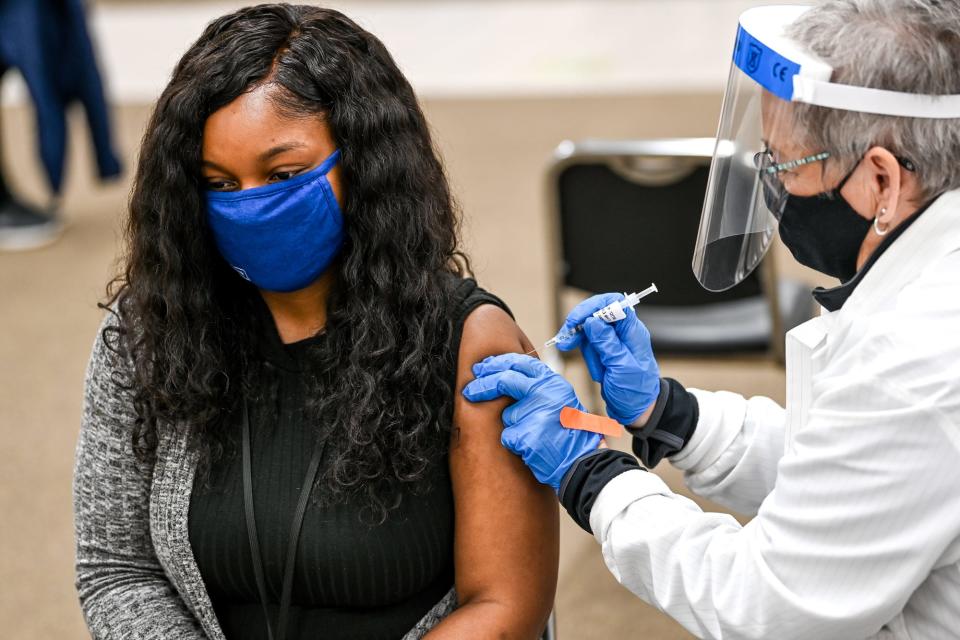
x=136, y=573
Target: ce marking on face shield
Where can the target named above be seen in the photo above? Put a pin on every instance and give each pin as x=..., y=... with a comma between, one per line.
x=780, y=71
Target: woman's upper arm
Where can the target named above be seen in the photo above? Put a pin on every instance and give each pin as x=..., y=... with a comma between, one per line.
x=120, y=582
x=507, y=524
x=111, y=488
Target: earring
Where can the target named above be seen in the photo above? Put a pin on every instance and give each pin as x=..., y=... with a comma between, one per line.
x=876, y=223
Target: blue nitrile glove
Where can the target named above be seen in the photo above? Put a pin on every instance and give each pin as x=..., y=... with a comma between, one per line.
x=619, y=356
x=532, y=427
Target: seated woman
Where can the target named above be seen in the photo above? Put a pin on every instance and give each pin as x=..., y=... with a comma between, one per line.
x=273, y=440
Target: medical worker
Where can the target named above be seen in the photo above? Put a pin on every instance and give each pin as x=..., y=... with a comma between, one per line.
x=841, y=130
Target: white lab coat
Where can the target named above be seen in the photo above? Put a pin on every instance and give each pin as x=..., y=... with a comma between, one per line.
x=857, y=527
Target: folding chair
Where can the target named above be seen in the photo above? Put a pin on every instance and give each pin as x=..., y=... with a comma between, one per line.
x=625, y=214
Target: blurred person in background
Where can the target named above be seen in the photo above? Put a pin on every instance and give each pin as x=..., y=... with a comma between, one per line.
x=841, y=128
x=273, y=442
x=47, y=42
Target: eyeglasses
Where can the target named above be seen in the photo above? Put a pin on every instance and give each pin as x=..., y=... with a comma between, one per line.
x=774, y=192
x=768, y=165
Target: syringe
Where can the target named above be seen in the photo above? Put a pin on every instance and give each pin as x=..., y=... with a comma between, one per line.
x=610, y=313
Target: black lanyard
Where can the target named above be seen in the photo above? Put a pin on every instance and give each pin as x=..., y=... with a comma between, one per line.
x=294, y=530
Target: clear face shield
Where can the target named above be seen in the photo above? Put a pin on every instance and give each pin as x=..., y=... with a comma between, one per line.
x=739, y=223
x=745, y=195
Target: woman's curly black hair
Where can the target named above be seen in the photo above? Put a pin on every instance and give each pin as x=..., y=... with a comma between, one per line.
x=187, y=320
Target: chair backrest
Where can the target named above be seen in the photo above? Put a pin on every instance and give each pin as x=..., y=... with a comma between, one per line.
x=627, y=213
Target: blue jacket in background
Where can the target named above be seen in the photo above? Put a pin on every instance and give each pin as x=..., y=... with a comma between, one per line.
x=48, y=42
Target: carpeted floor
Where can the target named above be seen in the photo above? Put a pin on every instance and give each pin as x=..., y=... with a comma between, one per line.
x=497, y=152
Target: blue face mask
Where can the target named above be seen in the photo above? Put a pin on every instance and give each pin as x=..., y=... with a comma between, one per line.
x=280, y=236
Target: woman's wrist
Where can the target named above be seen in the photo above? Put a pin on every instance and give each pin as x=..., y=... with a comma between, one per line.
x=641, y=422
x=668, y=426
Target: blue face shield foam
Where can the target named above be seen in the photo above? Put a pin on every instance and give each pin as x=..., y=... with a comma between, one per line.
x=280, y=236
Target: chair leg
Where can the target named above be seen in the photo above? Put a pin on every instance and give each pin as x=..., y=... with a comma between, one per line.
x=550, y=633
x=596, y=400
x=771, y=286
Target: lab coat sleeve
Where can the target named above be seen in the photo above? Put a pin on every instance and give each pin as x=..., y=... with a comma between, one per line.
x=864, y=507
x=733, y=454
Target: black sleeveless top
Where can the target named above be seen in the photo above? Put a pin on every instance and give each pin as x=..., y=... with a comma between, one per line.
x=352, y=580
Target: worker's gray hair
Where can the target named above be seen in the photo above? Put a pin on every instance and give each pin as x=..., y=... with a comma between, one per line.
x=897, y=45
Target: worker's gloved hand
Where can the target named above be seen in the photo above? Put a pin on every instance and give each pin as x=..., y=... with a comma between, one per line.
x=619, y=356
x=532, y=427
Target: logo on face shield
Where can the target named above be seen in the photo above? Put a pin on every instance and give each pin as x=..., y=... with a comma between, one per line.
x=754, y=54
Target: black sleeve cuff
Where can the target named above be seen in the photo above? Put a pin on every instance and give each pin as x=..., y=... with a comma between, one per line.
x=670, y=427
x=587, y=477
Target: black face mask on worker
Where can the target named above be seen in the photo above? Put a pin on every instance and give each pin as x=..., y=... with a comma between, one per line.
x=823, y=231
